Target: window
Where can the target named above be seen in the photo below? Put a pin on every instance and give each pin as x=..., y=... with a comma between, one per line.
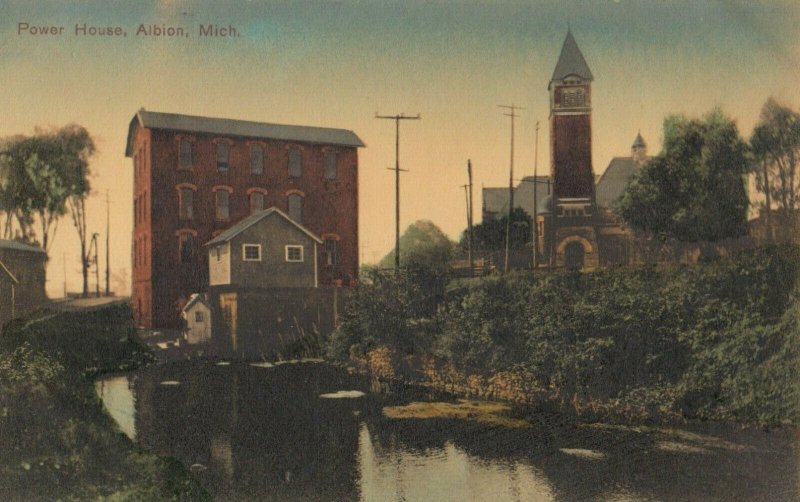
x=251, y=252
x=186, y=196
x=294, y=253
x=198, y=316
x=331, y=252
x=295, y=163
x=185, y=154
x=136, y=211
x=330, y=166
x=256, y=202
x=296, y=207
x=256, y=159
x=217, y=252
x=573, y=97
x=222, y=199
x=186, y=248
x=222, y=157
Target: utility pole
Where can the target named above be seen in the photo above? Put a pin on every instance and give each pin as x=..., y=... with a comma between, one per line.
x=535, y=243
x=96, y=265
x=108, y=228
x=513, y=115
x=397, y=119
x=469, y=222
x=64, y=259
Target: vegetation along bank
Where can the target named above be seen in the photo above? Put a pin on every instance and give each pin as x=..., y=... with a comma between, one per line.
x=716, y=341
x=57, y=441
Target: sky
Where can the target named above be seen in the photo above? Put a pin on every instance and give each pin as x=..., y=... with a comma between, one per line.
x=338, y=63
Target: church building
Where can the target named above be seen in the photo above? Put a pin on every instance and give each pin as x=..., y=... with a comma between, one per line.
x=574, y=231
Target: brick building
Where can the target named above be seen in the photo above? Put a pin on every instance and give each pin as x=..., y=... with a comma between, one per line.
x=194, y=177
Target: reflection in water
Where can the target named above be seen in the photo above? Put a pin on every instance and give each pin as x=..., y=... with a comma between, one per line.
x=275, y=434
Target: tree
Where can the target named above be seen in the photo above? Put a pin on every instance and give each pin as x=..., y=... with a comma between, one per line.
x=490, y=235
x=775, y=143
x=694, y=190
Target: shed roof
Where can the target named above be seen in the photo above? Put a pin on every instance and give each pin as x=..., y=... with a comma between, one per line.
x=244, y=128
x=252, y=220
x=571, y=61
x=19, y=246
x=614, y=180
x=195, y=299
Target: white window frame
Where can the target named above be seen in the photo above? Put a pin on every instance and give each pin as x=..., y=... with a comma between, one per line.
x=244, y=252
x=294, y=246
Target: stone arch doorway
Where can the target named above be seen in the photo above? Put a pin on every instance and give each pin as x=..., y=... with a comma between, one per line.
x=574, y=255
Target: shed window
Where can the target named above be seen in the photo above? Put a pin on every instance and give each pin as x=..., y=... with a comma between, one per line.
x=186, y=196
x=296, y=207
x=222, y=199
x=256, y=159
x=331, y=251
x=251, y=252
x=331, y=171
x=185, y=154
x=198, y=316
x=222, y=157
x=295, y=163
x=256, y=202
x=294, y=253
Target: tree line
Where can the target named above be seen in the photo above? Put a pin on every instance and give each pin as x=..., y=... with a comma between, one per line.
x=44, y=177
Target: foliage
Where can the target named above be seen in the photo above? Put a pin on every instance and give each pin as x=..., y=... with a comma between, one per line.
x=490, y=235
x=57, y=441
x=694, y=190
x=716, y=341
x=423, y=244
x=42, y=175
x=775, y=143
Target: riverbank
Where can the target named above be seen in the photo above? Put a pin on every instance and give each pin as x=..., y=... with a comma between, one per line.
x=718, y=341
x=56, y=439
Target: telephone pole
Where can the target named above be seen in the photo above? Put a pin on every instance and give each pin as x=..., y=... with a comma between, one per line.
x=535, y=242
x=108, y=228
x=469, y=222
x=397, y=119
x=513, y=115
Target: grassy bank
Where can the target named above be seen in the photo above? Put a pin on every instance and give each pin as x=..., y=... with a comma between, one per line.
x=57, y=441
x=715, y=341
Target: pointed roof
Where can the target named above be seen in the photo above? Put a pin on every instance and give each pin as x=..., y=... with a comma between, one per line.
x=639, y=141
x=252, y=220
x=571, y=61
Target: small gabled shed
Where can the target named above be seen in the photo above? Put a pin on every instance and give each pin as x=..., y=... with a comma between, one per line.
x=265, y=250
x=197, y=313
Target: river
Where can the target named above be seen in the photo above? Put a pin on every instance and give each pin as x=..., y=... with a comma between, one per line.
x=311, y=431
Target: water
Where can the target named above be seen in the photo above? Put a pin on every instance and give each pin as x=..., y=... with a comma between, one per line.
x=309, y=431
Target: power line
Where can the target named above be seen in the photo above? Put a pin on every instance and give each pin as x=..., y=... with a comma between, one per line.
x=513, y=115
x=397, y=119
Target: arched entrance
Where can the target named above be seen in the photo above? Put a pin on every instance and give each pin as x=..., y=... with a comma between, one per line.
x=573, y=256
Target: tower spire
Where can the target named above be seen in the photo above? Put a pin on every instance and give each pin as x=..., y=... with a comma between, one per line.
x=571, y=61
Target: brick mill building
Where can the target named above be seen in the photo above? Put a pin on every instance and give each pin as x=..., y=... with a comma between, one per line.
x=194, y=177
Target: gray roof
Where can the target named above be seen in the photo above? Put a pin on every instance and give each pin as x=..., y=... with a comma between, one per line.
x=196, y=298
x=495, y=200
x=571, y=61
x=639, y=141
x=252, y=220
x=614, y=180
x=231, y=127
x=19, y=246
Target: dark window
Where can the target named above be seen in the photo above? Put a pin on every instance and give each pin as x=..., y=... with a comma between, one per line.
x=185, y=155
x=222, y=157
x=331, y=171
x=223, y=198
x=294, y=253
x=573, y=256
x=295, y=163
x=186, y=196
x=331, y=251
x=198, y=316
x=256, y=202
x=251, y=252
x=186, y=242
x=256, y=159
x=296, y=207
